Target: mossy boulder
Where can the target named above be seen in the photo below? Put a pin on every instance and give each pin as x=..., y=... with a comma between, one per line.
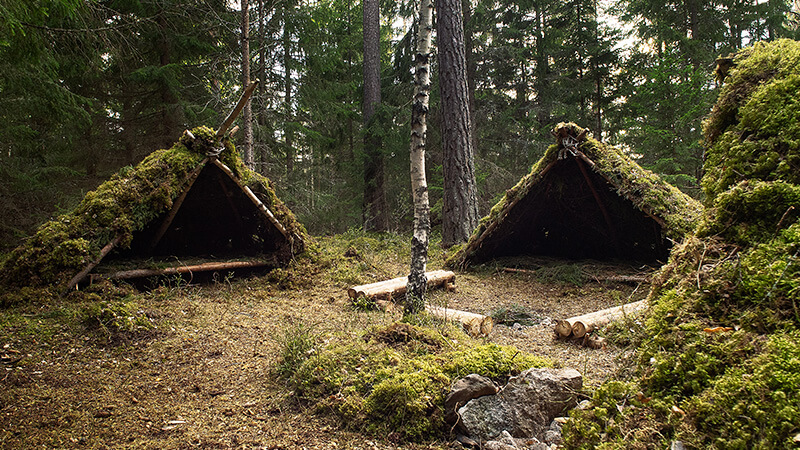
x=386, y=385
x=753, y=132
x=718, y=355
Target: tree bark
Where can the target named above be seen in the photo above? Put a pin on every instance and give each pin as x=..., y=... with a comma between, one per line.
x=375, y=208
x=460, y=198
x=288, y=132
x=247, y=114
x=417, y=281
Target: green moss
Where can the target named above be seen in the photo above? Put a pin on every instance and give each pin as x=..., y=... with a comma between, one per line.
x=756, y=405
x=122, y=205
x=754, y=130
x=395, y=379
x=752, y=211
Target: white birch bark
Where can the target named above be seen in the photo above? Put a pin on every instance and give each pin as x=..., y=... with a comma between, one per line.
x=417, y=282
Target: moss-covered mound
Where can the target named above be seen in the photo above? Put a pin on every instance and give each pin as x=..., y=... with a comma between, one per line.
x=126, y=204
x=602, y=206
x=719, y=362
x=394, y=381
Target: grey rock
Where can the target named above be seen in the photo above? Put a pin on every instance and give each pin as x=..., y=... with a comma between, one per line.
x=505, y=438
x=677, y=445
x=497, y=445
x=553, y=437
x=525, y=407
x=470, y=387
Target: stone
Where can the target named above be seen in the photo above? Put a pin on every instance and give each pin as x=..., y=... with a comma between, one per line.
x=553, y=437
x=497, y=445
x=525, y=407
x=505, y=438
x=470, y=387
x=677, y=445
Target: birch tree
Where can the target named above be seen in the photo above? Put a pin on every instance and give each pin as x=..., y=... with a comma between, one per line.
x=417, y=282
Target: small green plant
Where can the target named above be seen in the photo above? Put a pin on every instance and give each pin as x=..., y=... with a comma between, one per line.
x=514, y=314
x=362, y=303
x=115, y=316
x=297, y=345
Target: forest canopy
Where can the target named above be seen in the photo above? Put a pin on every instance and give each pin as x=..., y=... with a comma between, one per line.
x=89, y=86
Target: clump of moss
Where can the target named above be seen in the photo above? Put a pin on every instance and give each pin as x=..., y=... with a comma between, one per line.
x=122, y=205
x=753, y=132
x=395, y=379
x=719, y=359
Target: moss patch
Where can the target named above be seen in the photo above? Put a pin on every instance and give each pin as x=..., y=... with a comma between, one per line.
x=718, y=357
x=395, y=378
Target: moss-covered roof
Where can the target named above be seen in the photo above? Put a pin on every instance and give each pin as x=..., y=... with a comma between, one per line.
x=642, y=208
x=719, y=361
x=128, y=203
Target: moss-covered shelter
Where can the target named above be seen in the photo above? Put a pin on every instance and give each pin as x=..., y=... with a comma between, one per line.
x=718, y=362
x=583, y=199
x=193, y=202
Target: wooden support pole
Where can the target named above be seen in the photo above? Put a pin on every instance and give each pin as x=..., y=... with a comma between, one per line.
x=176, y=205
x=259, y=204
x=206, y=267
x=237, y=110
x=103, y=252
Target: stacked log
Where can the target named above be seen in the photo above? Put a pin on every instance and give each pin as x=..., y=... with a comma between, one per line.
x=386, y=290
x=382, y=292
x=580, y=326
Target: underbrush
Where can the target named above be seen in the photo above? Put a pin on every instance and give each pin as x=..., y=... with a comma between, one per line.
x=392, y=380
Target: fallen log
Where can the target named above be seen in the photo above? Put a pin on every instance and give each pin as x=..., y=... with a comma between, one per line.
x=579, y=326
x=475, y=325
x=386, y=290
x=206, y=267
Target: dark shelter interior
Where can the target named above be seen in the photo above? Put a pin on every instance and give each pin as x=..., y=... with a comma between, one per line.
x=573, y=212
x=216, y=219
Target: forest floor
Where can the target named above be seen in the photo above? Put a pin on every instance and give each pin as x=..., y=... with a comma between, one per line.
x=202, y=374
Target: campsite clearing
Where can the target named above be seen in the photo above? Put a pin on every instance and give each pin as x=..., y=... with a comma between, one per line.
x=196, y=366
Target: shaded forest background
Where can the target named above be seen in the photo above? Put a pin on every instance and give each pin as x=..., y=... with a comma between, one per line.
x=88, y=87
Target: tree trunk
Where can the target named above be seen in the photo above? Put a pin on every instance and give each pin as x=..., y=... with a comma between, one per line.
x=460, y=209
x=376, y=214
x=288, y=132
x=417, y=281
x=247, y=114
x=171, y=113
x=472, y=70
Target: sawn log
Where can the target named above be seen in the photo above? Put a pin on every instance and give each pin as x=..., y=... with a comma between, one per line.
x=476, y=325
x=579, y=326
x=386, y=290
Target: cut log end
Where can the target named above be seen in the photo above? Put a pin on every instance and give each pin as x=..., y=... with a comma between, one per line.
x=563, y=328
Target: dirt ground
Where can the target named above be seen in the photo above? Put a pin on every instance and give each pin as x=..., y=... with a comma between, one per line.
x=202, y=376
